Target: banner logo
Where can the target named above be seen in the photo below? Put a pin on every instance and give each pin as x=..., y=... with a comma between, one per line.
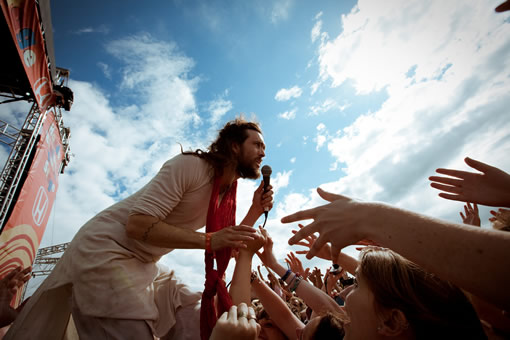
x=40, y=206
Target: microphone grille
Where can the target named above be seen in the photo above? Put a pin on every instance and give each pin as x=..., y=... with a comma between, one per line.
x=266, y=170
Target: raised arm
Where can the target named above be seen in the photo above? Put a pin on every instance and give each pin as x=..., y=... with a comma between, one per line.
x=472, y=258
x=316, y=299
x=276, y=308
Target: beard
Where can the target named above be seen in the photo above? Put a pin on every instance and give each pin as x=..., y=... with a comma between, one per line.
x=246, y=169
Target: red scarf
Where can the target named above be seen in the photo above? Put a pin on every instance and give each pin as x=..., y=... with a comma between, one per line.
x=218, y=217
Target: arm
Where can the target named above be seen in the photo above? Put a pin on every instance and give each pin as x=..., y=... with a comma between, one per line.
x=277, y=309
x=490, y=187
x=156, y=232
x=448, y=249
x=152, y=230
x=316, y=299
x=240, y=288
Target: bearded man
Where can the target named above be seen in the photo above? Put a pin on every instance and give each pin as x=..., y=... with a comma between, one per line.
x=109, y=278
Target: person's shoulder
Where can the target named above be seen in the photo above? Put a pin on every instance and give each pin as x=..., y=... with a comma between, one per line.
x=190, y=164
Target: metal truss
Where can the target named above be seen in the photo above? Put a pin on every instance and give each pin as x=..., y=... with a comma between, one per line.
x=18, y=159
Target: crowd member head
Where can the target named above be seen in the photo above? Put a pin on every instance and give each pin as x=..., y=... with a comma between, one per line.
x=327, y=326
x=239, y=143
x=268, y=328
x=393, y=297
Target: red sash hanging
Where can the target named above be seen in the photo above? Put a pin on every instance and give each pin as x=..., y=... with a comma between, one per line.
x=218, y=217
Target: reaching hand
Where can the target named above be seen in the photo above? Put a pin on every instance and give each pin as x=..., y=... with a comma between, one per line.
x=472, y=217
x=267, y=256
x=341, y=222
x=239, y=323
x=234, y=237
x=500, y=219
x=316, y=277
x=254, y=245
x=9, y=284
x=296, y=266
x=323, y=253
x=490, y=187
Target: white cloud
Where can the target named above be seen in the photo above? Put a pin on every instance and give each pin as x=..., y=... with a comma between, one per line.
x=455, y=104
x=218, y=108
x=280, y=11
x=288, y=114
x=103, y=29
x=105, y=68
x=316, y=30
x=286, y=94
x=325, y=106
x=293, y=160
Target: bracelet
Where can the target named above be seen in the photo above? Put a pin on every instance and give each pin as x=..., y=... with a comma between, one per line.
x=208, y=242
x=286, y=275
x=292, y=280
x=253, y=277
x=296, y=283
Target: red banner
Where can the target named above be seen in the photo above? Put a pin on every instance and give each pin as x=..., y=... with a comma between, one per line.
x=24, y=230
x=23, y=19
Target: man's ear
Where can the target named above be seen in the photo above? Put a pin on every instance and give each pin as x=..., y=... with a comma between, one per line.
x=393, y=323
x=236, y=148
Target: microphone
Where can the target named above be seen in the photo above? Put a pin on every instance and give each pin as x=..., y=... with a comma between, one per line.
x=266, y=174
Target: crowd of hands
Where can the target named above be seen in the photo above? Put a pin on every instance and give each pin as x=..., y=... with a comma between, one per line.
x=345, y=221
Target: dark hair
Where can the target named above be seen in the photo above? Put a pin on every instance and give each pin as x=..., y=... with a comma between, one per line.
x=219, y=153
x=330, y=326
x=434, y=308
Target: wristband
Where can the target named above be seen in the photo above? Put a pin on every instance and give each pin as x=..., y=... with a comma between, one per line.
x=286, y=275
x=296, y=283
x=208, y=242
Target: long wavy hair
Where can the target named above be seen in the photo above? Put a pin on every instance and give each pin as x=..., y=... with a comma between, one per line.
x=434, y=308
x=219, y=154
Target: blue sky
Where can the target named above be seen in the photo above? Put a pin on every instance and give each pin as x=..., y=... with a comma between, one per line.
x=363, y=98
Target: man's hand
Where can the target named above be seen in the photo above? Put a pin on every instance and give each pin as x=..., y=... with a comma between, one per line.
x=234, y=237
x=472, y=217
x=490, y=187
x=262, y=201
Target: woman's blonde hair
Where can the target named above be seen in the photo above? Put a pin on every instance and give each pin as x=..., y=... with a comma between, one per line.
x=434, y=308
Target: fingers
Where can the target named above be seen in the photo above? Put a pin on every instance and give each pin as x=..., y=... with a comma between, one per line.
x=447, y=188
x=304, y=232
x=300, y=215
x=330, y=197
x=447, y=180
x=453, y=173
x=321, y=241
x=452, y=197
x=232, y=313
x=482, y=167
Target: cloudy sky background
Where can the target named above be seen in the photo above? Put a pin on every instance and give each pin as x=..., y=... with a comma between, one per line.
x=361, y=98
